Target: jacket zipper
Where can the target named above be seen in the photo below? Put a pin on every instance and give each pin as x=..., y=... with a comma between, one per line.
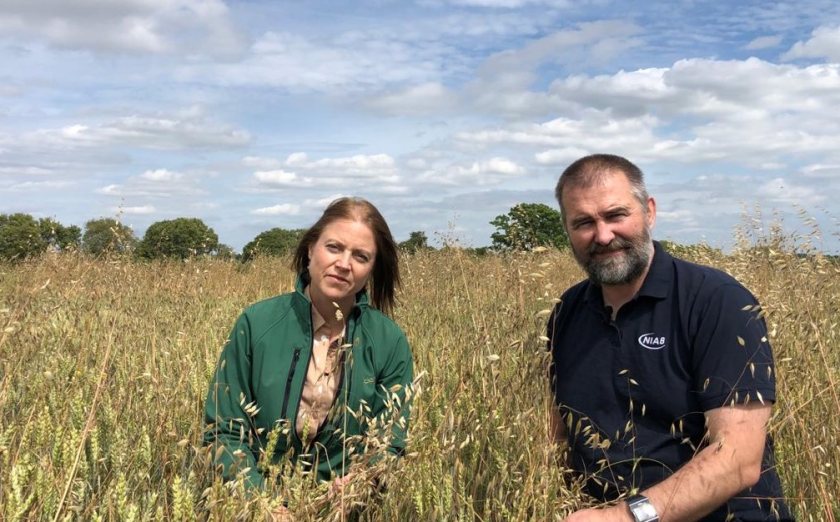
x=289, y=379
x=293, y=422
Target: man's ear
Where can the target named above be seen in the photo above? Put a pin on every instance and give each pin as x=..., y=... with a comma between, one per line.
x=651, y=212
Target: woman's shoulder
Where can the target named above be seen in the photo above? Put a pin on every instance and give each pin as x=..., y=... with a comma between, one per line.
x=270, y=310
x=380, y=325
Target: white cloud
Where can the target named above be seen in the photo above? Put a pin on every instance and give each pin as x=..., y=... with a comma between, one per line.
x=349, y=62
x=110, y=190
x=323, y=203
x=184, y=131
x=592, y=41
x=138, y=26
x=822, y=171
x=415, y=100
x=377, y=171
x=139, y=210
x=23, y=170
x=781, y=190
x=161, y=175
x=697, y=110
x=158, y=183
x=381, y=166
x=597, y=131
x=297, y=158
x=684, y=216
x=39, y=185
x=562, y=156
x=510, y=4
x=261, y=162
x=502, y=166
x=280, y=177
x=284, y=209
x=488, y=172
x=763, y=42
x=486, y=97
x=824, y=43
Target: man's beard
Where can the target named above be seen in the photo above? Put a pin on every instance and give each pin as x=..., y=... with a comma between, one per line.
x=621, y=269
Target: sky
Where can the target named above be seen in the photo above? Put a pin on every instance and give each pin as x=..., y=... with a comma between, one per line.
x=254, y=114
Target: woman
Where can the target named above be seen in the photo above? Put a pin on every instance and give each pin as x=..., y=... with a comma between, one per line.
x=295, y=363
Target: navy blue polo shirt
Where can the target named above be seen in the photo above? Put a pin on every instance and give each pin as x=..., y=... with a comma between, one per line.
x=632, y=391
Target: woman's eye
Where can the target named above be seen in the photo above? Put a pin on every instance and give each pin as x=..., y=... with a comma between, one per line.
x=332, y=248
x=362, y=258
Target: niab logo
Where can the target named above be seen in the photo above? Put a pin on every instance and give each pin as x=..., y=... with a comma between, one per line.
x=651, y=341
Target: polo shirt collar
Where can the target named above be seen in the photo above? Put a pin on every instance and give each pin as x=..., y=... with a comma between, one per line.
x=657, y=282
x=660, y=275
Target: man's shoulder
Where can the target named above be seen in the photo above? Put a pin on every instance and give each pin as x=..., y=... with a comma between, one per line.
x=570, y=300
x=577, y=290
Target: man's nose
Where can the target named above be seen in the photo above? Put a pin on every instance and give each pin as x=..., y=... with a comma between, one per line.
x=603, y=234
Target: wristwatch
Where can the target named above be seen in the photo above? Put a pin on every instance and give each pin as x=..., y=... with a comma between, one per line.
x=641, y=509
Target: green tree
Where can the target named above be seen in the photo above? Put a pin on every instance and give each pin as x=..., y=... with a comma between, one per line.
x=20, y=237
x=416, y=242
x=178, y=238
x=527, y=226
x=225, y=252
x=58, y=236
x=274, y=242
x=107, y=235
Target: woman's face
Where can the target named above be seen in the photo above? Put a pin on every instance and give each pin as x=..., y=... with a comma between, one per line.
x=340, y=261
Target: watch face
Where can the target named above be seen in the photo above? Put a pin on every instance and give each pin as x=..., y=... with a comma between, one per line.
x=643, y=510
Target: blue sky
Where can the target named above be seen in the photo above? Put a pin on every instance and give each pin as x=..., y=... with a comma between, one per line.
x=253, y=114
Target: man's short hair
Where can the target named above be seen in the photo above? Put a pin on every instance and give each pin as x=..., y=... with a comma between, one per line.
x=590, y=169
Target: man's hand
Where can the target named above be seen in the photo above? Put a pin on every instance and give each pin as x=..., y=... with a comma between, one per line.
x=281, y=514
x=617, y=513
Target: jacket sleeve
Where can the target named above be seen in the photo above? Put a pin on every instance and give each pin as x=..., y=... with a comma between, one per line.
x=397, y=377
x=228, y=428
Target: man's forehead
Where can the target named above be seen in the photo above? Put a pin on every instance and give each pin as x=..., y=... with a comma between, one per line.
x=613, y=185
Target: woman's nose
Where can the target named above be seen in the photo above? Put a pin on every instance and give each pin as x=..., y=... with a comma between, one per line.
x=343, y=261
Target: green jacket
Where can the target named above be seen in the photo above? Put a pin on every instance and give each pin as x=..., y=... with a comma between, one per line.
x=259, y=379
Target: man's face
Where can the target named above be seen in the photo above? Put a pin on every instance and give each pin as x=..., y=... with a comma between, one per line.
x=609, y=229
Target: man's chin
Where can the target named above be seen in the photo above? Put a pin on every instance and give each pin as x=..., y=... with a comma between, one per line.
x=608, y=274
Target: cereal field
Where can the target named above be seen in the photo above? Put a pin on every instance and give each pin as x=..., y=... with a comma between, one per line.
x=104, y=365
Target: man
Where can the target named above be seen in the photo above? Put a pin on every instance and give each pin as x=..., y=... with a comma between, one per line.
x=661, y=369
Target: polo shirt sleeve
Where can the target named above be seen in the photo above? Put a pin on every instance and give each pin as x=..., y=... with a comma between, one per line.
x=731, y=357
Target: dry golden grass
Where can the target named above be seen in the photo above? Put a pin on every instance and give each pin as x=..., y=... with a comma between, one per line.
x=104, y=367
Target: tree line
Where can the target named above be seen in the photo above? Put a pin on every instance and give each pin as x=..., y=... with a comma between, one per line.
x=525, y=227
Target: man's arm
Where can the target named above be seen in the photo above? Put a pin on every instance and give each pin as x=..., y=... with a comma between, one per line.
x=730, y=463
x=556, y=428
